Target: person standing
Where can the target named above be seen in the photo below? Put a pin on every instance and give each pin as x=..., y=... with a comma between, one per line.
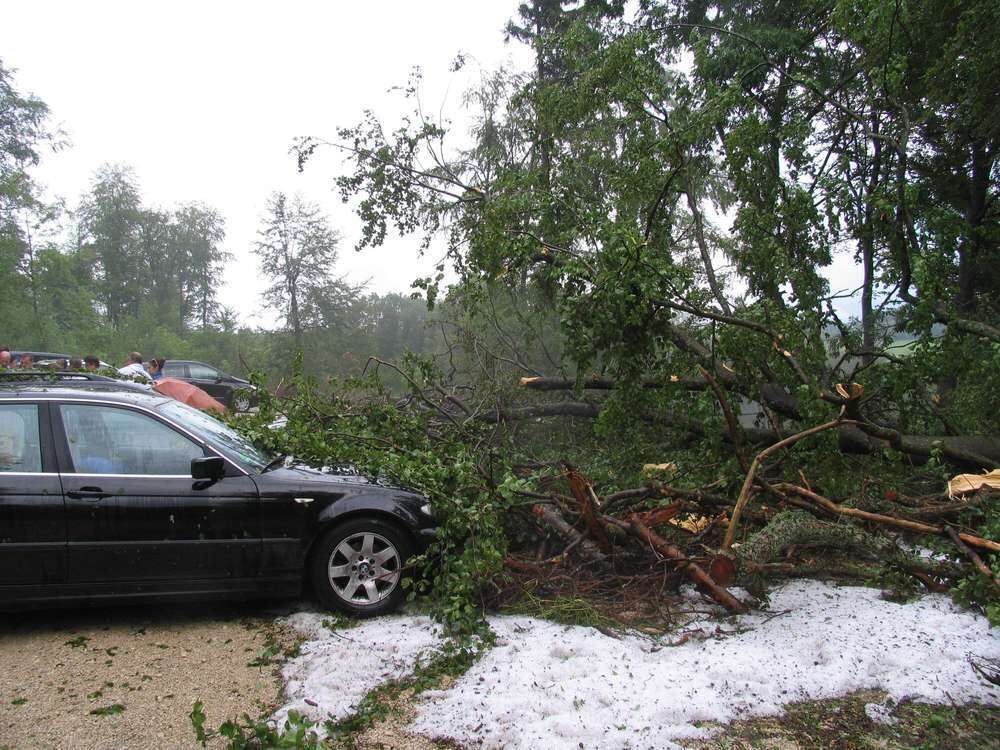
x=133, y=367
x=156, y=368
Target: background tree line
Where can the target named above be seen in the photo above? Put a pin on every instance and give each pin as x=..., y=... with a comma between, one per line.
x=113, y=274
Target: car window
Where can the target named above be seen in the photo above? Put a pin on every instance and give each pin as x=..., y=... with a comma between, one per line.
x=175, y=370
x=217, y=434
x=20, y=447
x=202, y=372
x=106, y=440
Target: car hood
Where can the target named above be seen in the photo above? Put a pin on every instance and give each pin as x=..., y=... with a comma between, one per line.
x=295, y=470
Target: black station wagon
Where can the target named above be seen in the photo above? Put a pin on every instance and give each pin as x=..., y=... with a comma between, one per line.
x=119, y=495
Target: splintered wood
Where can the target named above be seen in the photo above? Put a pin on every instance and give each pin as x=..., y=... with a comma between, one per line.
x=966, y=483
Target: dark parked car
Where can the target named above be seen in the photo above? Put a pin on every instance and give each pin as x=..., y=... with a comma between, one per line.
x=47, y=358
x=120, y=495
x=38, y=357
x=219, y=385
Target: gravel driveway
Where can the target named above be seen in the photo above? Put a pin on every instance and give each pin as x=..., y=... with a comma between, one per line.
x=127, y=677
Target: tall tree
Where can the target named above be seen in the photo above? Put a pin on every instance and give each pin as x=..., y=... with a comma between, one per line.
x=159, y=276
x=198, y=232
x=23, y=134
x=110, y=217
x=297, y=249
x=814, y=128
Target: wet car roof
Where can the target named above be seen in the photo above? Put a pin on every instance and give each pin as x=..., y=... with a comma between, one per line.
x=83, y=391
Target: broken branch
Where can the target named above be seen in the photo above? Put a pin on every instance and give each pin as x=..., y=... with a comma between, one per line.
x=584, y=495
x=899, y=523
x=557, y=523
x=972, y=555
x=744, y=496
x=690, y=569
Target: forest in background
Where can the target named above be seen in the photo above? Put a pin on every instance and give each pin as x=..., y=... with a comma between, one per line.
x=111, y=274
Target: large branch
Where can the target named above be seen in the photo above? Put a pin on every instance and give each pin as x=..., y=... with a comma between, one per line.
x=773, y=394
x=691, y=569
x=975, y=327
x=585, y=410
x=558, y=409
x=981, y=451
x=706, y=253
x=590, y=411
x=598, y=383
x=551, y=519
x=741, y=323
x=899, y=523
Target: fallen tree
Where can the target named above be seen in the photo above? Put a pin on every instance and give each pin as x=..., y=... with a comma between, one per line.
x=861, y=436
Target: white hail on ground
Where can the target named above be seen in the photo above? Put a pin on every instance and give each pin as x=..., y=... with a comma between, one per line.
x=556, y=686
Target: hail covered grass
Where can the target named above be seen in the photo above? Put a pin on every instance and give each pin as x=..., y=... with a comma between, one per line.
x=557, y=686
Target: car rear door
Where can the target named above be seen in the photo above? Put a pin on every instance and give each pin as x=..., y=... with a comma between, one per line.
x=133, y=511
x=175, y=370
x=32, y=519
x=209, y=380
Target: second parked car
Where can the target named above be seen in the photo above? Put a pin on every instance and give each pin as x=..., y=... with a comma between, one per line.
x=236, y=393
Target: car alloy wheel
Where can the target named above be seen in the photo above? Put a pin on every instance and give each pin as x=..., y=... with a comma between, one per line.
x=357, y=566
x=364, y=569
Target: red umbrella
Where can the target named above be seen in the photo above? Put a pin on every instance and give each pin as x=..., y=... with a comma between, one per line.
x=187, y=393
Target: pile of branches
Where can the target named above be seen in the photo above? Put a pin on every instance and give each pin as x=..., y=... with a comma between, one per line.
x=760, y=531
x=628, y=546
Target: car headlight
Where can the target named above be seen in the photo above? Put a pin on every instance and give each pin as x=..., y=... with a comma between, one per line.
x=427, y=510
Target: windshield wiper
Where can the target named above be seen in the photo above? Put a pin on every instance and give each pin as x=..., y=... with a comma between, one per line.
x=275, y=462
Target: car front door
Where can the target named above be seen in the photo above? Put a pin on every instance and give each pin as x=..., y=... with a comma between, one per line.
x=133, y=511
x=32, y=520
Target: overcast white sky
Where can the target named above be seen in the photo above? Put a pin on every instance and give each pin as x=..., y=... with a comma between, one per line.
x=203, y=99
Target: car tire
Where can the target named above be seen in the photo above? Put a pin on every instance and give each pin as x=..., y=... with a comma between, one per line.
x=357, y=567
x=239, y=403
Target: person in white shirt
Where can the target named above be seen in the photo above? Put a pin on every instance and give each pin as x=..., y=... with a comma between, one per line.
x=134, y=369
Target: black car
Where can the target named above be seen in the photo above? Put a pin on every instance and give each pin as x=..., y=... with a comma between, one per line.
x=218, y=384
x=120, y=495
x=38, y=356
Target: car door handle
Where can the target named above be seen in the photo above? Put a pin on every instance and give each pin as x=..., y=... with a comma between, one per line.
x=304, y=500
x=87, y=493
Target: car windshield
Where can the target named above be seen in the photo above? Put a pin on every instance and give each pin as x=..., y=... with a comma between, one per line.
x=219, y=435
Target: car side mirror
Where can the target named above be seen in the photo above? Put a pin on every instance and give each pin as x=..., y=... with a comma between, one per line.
x=208, y=467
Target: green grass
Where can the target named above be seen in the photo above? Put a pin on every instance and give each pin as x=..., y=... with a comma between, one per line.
x=113, y=709
x=381, y=701
x=566, y=610
x=841, y=724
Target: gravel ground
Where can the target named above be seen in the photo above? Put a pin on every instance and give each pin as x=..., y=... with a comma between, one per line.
x=139, y=669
